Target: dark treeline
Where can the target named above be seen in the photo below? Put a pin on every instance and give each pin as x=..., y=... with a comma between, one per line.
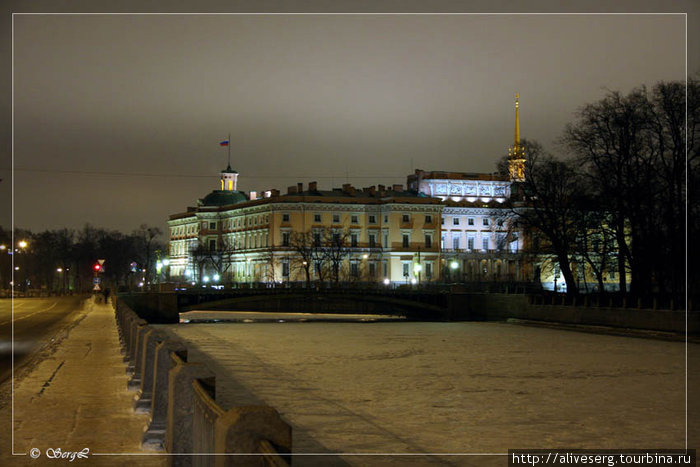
x=617, y=198
x=63, y=260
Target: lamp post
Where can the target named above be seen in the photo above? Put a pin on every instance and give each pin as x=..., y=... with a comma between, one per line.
x=22, y=244
x=453, y=267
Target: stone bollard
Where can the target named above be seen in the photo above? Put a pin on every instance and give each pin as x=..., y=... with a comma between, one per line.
x=244, y=430
x=135, y=365
x=154, y=435
x=125, y=335
x=144, y=396
x=178, y=434
x=131, y=348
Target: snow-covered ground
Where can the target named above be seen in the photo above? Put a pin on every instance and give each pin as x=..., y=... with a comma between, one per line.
x=410, y=387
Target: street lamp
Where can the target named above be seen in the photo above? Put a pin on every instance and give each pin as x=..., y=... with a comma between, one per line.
x=417, y=268
x=22, y=244
x=453, y=266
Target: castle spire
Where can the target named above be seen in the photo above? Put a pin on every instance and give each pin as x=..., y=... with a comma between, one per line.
x=516, y=154
x=517, y=121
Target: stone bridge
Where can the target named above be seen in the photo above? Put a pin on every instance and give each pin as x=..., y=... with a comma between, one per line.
x=430, y=305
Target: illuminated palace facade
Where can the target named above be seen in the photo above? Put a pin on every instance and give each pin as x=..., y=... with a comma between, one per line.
x=374, y=234
x=444, y=226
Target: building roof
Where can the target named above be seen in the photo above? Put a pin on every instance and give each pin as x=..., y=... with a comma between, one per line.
x=223, y=198
x=435, y=175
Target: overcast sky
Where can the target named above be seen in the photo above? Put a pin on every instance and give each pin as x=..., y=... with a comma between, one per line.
x=117, y=118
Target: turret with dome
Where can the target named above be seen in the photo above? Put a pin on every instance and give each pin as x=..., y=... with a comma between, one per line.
x=228, y=194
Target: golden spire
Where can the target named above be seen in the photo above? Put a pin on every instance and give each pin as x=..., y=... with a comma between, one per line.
x=516, y=154
x=517, y=122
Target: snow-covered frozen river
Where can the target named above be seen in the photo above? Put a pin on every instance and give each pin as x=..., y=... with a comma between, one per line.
x=413, y=387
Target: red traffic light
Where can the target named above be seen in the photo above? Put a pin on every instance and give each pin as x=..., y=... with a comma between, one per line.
x=97, y=267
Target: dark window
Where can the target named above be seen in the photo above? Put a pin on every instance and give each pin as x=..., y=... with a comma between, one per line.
x=455, y=220
x=353, y=239
x=212, y=245
x=317, y=218
x=428, y=219
x=486, y=221
x=336, y=218
x=372, y=240
x=354, y=270
x=372, y=270
x=372, y=219
x=285, y=269
x=285, y=238
x=405, y=240
x=428, y=241
x=354, y=219
x=470, y=221
x=406, y=218
x=317, y=239
x=285, y=217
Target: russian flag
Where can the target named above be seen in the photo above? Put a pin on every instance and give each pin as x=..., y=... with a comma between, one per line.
x=223, y=143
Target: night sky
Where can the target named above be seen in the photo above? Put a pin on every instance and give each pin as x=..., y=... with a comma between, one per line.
x=117, y=118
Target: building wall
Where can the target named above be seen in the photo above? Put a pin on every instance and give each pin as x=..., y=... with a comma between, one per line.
x=256, y=240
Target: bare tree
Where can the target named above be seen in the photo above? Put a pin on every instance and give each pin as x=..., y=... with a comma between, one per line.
x=549, y=192
x=334, y=249
x=305, y=252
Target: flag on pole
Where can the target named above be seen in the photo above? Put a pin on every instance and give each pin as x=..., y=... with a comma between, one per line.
x=224, y=143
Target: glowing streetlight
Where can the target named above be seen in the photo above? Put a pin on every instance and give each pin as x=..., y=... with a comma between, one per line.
x=454, y=264
x=205, y=279
x=387, y=281
x=216, y=278
x=22, y=244
x=365, y=256
x=59, y=269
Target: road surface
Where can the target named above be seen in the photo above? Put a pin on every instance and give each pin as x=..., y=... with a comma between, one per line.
x=37, y=321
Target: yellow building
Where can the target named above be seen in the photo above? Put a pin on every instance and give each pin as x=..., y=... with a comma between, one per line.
x=375, y=234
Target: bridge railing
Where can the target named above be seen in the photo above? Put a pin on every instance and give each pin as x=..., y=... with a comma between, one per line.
x=181, y=397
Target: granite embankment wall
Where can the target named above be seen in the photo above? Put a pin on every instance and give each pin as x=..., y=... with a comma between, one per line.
x=180, y=397
x=499, y=307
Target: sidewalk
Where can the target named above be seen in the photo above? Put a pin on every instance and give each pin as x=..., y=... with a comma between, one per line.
x=77, y=398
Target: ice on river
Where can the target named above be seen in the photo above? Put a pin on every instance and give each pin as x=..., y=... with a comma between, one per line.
x=414, y=387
